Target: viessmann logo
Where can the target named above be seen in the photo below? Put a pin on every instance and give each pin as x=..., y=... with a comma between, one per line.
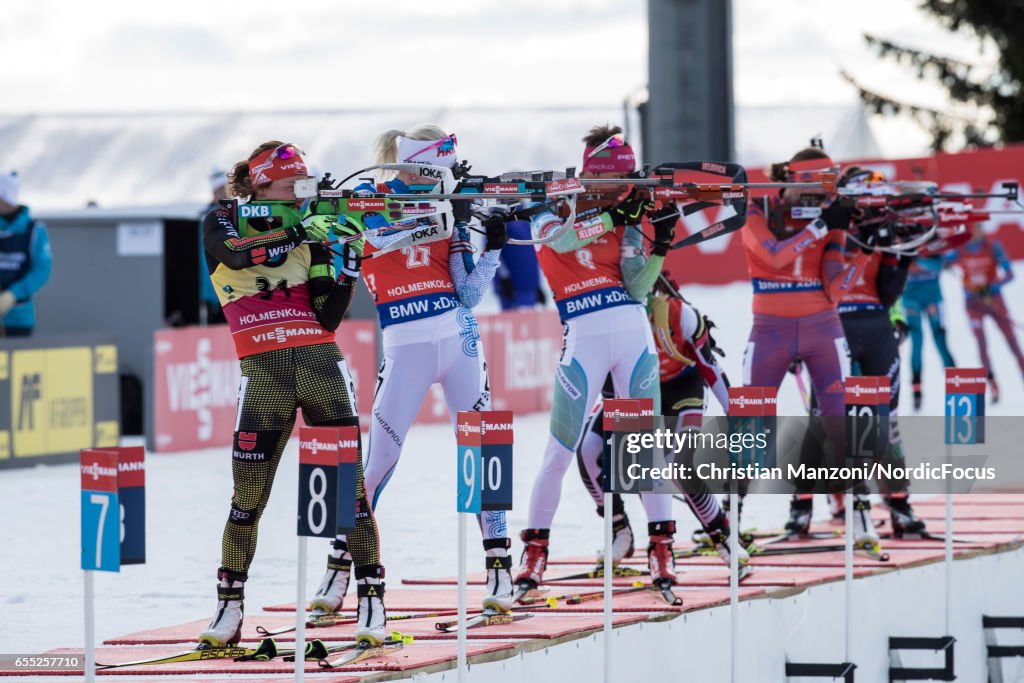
x=317, y=445
x=959, y=381
x=283, y=334
x=858, y=390
x=366, y=204
x=95, y=471
x=501, y=188
x=469, y=429
x=349, y=444
x=742, y=401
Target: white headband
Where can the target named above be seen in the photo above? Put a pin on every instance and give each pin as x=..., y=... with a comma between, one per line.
x=430, y=152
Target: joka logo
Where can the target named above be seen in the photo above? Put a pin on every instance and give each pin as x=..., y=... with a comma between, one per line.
x=30, y=393
x=246, y=440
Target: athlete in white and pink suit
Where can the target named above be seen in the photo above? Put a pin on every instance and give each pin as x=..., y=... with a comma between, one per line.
x=424, y=293
x=599, y=274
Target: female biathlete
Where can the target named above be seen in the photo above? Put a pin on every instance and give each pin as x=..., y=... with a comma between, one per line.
x=864, y=311
x=283, y=303
x=424, y=293
x=599, y=274
x=986, y=270
x=686, y=363
x=798, y=273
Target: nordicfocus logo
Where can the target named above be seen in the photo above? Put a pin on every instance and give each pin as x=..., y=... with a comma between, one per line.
x=95, y=471
x=318, y=445
x=468, y=429
x=501, y=188
x=713, y=168
x=283, y=334
x=366, y=204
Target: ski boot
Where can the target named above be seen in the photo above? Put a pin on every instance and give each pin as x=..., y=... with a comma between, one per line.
x=864, y=534
x=660, y=559
x=498, y=564
x=837, y=506
x=905, y=524
x=718, y=533
x=225, y=628
x=916, y=384
x=993, y=387
x=622, y=539
x=801, y=507
x=371, y=619
x=534, y=560
x=331, y=593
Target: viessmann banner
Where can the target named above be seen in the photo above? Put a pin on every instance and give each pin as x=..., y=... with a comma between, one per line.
x=196, y=375
x=57, y=396
x=721, y=261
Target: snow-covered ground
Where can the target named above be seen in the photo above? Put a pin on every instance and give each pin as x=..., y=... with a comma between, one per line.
x=188, y=496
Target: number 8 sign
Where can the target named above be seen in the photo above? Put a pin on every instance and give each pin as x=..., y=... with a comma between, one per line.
x=318, y=481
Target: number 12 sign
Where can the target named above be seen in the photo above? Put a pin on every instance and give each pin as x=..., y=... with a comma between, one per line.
x=965, y=405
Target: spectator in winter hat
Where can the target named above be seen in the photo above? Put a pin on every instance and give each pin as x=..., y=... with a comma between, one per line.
x=25, y=260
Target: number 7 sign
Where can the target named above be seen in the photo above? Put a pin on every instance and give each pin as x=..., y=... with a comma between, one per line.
x=101, y=518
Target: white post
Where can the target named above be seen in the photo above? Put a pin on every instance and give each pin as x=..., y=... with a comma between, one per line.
x=462, y=665
x=734, y=584
x=300, y=614
x=949, y=546
x=848, y=578
x=608, y=587
x=90, y=629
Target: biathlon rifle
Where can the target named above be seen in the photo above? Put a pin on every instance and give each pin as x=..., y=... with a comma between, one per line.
x=686, y=185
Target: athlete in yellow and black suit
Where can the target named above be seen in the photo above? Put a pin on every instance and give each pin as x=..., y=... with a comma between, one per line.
x=283, y=304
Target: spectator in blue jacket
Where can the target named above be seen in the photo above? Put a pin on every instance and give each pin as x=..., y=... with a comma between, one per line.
x=25, y=260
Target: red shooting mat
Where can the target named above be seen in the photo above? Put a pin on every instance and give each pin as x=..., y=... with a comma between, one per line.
x=542, y=625
x=412, y=656
x=717, y=577
x=411, y=600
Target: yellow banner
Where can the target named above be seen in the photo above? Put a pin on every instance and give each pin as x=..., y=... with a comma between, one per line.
x=51, y=400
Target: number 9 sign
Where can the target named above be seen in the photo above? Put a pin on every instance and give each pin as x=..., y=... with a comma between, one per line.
x=470, y=465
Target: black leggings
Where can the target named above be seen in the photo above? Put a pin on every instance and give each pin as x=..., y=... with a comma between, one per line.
x=274, y=384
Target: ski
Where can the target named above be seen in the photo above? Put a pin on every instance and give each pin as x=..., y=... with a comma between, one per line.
x=598, y=573
x=872, y=550
x=928, y=536
x=757, y=550
x=577, y=598
x=482, y=619
x=319, y=620
x=268, y=650
x=364, y=650
x=664, y=588
x=229, y=652
x=527, y=590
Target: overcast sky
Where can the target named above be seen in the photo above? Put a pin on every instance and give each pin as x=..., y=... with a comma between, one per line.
x=127, y=56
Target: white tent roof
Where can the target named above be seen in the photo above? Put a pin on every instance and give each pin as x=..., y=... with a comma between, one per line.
x=69, y=160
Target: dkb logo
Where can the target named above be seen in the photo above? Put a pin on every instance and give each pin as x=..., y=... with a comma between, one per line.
x=29, y=395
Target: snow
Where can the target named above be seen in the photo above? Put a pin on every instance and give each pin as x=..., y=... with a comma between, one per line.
x=188, y=496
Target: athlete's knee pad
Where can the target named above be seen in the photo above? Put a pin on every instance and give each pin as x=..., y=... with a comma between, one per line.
x=569, y=406
x=242, y=516
x=255, y=447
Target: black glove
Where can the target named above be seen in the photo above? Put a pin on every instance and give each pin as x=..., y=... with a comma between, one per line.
x=541, y=297
x=497, y=235
x=631, y=209
x=664, y=221
x=900, y=331
x=868, y=239
x=837, y=215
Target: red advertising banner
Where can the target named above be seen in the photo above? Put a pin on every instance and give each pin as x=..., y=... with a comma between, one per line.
x=196, y=376
x=722, y=260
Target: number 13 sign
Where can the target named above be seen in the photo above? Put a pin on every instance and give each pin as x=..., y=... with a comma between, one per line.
x=965, y=405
